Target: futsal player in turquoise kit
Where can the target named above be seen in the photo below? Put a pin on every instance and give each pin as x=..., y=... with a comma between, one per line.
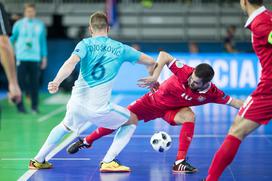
x=100, y=60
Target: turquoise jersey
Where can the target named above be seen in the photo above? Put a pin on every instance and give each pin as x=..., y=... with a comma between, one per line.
x=101, y=58
x=29, y=39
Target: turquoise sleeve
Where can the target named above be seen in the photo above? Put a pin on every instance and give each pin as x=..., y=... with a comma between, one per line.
x=80, y=50
x=130, y=54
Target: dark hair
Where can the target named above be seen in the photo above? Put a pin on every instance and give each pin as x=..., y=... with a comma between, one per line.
x=205, y=72
x=256, y=2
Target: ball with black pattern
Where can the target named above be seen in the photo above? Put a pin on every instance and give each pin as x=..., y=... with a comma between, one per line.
x=161, y=141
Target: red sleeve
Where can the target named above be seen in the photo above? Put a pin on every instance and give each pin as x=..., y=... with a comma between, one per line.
x=220, y=97
x=181, y=70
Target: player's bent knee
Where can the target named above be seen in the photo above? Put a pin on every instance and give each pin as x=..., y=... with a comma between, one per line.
x=242, y=127
x=237, y=131
x=187, y=116
x=190, y=117
x=133, y=119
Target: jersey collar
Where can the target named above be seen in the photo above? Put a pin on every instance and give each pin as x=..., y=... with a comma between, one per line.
x=254, y=15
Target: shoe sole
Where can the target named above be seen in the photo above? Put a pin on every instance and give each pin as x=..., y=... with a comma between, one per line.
x=71, y=153
x=35, y=168
x=32, y=168
x=185, y=172
x=114, y=171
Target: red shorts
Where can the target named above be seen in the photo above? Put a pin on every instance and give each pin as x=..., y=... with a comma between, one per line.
x=146, y=109
x=257, y=108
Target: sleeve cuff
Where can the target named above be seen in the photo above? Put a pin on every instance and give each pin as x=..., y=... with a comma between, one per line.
x=172, y=62
x=229, y=101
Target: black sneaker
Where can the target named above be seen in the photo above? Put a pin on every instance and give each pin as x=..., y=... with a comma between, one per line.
x=76, y=146
x=181, y=166
x=21, y=108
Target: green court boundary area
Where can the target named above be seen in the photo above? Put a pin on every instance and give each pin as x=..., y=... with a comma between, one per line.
x=21, y=135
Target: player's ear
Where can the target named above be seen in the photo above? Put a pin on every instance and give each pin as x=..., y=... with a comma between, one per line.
x=245, y=2
x=108, y=29
x=90, y=29
x=242, y=4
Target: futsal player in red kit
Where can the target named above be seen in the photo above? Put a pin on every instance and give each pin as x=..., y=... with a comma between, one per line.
x=171, y=102
x=257, y=109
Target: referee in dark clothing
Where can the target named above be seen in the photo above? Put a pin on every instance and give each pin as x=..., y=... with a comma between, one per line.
x=7, y=57
x=29, y=38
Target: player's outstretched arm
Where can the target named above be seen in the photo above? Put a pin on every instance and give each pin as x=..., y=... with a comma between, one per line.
x=164, y=58
x=64, y=72
x=148, y=61
x=236, y=103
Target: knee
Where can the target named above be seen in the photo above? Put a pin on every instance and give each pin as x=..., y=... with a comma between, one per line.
x=237, y=131
x=133, y=119
x=190, y=117
x=187, y=116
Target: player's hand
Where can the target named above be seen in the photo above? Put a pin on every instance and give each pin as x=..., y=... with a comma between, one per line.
x=155, y=87
x=53, y=87
x=147, y=82
x=15, y=93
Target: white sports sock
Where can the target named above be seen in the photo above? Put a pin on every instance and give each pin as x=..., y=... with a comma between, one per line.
x=120, y=140
x=53, y=139
x=85, y=142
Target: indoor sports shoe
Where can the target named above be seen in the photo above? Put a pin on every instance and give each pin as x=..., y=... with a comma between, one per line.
x=113, y=166
x=35, y=165
x=76, y=146
x=181, y=166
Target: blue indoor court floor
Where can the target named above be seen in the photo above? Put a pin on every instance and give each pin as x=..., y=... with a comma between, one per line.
x=253, y=161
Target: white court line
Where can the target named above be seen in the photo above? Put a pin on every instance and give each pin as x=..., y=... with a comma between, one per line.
x=63, y=159
x=27, y=175
x=71, y=159
x=70, y=138
x=51, y=114
x=196, y=136
x=231, y=172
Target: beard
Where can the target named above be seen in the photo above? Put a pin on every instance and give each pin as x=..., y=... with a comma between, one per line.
x=193, y=88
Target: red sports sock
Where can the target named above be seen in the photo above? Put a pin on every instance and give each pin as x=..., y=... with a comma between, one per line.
x=98, y=133
x=185, y=138
x=223, y=157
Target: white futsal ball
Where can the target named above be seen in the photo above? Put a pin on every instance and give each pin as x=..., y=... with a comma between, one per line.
x=161, y=141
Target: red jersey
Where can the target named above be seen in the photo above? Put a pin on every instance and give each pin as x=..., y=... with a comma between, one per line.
x=260, y=24
x=175, y=91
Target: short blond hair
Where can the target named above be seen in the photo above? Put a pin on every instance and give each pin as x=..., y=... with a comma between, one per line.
x=98, y=21
x=29, y=5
